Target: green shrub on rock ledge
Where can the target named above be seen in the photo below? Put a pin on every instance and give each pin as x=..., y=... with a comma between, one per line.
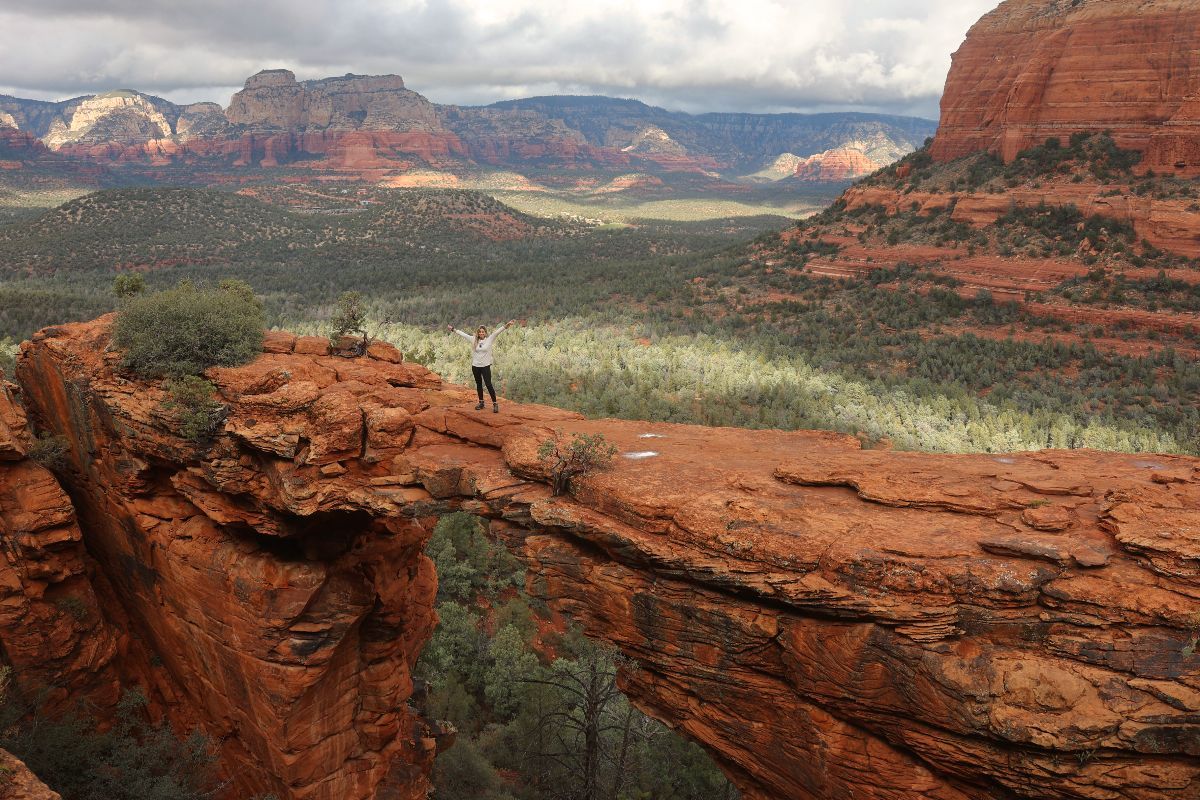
x=186, y=330
x=49, y=450
x=192, y=399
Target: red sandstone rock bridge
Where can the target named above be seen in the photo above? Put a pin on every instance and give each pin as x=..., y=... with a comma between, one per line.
x=829, y=622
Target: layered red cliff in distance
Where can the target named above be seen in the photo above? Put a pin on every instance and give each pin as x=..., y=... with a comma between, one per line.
x=841, y=164
x=829, y=622
x=1032, y=69
x=18, y=146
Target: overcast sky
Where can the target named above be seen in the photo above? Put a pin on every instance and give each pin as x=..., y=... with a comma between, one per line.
x=692, y=55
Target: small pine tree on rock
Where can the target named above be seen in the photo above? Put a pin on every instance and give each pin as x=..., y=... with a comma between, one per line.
x=584, y=454
x=350, y=317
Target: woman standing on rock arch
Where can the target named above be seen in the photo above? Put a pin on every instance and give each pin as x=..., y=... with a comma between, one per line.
x=481, y=359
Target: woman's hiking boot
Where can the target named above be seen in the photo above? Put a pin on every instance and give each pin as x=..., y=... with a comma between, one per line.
x=480, y=406
x=495, y=408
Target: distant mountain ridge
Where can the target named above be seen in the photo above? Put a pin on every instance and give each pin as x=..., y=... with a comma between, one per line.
x=376, y=125
x=740, y=139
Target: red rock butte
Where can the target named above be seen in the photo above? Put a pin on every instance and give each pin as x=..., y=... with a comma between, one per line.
x=829, y=622
x=1032, y=69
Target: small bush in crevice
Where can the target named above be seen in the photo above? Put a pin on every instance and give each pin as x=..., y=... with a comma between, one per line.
x=72, y=606
x=49, y=450
x=186, y=330
x=192, y=398
x=584, y=454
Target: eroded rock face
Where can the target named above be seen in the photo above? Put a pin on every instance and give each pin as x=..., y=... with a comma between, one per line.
x=829, y=622
x=18, y=783
x=1037, y=68
x=284, y=605
x=839, y=164
x=113, y=118
x=919, y=631
x=52, y=630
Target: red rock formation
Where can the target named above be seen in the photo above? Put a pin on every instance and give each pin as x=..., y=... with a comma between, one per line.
x=52, y=630
x=1168, y=224
x=17, y=144
x=286, y=604
x=1037, y=68
x=839, y=164
x=18, y=783
x=829, y=622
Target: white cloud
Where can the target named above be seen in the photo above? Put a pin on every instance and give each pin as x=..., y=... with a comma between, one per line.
x=751, y=55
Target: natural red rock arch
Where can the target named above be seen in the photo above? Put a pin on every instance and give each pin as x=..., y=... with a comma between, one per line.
x=829, y=622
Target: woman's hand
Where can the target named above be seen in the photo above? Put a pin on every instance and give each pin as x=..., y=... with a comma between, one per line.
x=450, y=328
x=510, y=323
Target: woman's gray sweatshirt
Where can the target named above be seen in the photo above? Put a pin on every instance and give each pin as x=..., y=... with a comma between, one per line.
x=481, y=350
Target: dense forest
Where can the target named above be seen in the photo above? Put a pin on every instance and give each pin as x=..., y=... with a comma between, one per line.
x=533, y=699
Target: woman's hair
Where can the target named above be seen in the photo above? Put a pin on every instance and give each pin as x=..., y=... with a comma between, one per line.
x=479, y=335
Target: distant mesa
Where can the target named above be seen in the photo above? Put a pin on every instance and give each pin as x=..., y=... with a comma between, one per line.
x=268, y=78
x=275, y=100
x=784, y=166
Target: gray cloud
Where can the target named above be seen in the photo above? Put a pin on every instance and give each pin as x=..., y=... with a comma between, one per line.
x=696, y=55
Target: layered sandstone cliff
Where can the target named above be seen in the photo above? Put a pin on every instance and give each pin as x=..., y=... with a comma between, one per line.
x=829, y=622
x=1168, y=223
x=1032, y=69
x=283, y=606
x=840, y=164
x=53, y=632
x=117, y=118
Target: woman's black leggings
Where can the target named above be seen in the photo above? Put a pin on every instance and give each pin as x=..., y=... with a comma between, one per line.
x=483, y=375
